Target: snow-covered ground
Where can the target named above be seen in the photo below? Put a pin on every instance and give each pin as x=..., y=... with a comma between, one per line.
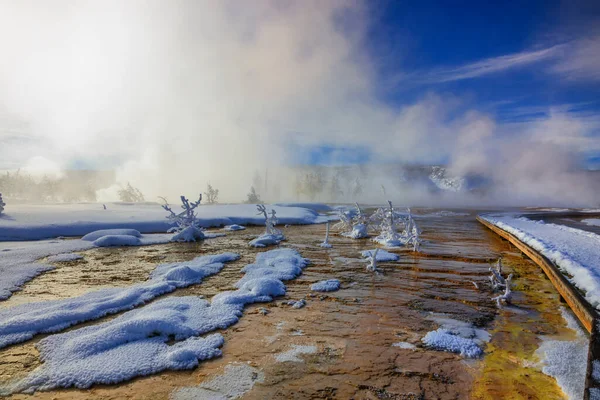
x=575, y=252
x=136, y=342
x=566, y=360
x=20, y=323
x=592, y=221
x=19, y=261
x=33, y=222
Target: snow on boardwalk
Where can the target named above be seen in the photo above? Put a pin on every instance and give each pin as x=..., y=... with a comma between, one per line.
x=34, y=222
x=575, y=252
x=136, y=343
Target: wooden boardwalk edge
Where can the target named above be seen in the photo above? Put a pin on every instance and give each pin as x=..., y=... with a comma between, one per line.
x=587, y=315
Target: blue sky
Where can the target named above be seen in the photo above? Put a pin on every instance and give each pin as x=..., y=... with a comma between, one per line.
x=517, y=61
x=112, y=84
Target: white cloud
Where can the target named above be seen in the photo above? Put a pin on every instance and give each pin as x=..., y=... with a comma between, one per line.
x=580, y=60
x=490, y=65
x=187, y=92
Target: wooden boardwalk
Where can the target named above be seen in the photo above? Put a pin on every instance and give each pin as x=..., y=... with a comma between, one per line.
x=586, y=314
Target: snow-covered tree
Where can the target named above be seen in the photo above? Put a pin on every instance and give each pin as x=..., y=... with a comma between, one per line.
x=253, y=197
x=130, y=194
x=499, y=282
x=396, y=229
x=187, y=227
x=360, y=224
x=2, y=204
x=211, y=194
x=270, y=220
x=354, y=225
x=272, y=235
x=345, y=224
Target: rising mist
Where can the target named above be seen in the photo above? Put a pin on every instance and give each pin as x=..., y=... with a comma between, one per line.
x=176, y=94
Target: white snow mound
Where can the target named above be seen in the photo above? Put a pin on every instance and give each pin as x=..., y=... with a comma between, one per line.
x=329, y=285
x=135, y=343
x=21, y=323
x=382, y=255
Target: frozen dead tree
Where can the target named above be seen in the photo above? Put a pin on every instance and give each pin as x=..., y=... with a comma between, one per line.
x=272, y=235
x=211, y=194
x=360, y=224
x=507, y=296
x=412, y=232
x=498, y=282
x=187, y=227
x=326, y=243
x=345, y=224
x=372, y=267
x=396, y=229
x=356, y=226
x=496, y=279
x=2, y=204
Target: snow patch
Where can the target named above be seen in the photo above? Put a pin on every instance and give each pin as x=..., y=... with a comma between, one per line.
x=34, y=222
x=19, y=261
x=234, y=227
x=456, y=336
x=566, y=360
x=135, y=343
x=297, y=304
x=382, y=255
x=592, y=221
x=117, y=240
x=405, y=345
x=359, y=231
x=188, y=234
x=21, y=323
x=93, y=236
x=265, y=240
x=292, y=354
x=236, y=380
x=329, y=285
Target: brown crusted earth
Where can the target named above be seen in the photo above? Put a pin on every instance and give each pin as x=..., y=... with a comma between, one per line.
x=353, y=329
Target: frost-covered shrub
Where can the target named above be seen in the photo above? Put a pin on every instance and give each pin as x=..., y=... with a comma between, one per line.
x=498, y=282
x=396, y=228
x=187, y=227
x=211, y=194
x=2, y=204
x=354, y=225
x=130, y=194
x=272, y=235
x=345, y=223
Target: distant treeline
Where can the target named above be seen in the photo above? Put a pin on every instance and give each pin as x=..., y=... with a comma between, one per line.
x=71, y=187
